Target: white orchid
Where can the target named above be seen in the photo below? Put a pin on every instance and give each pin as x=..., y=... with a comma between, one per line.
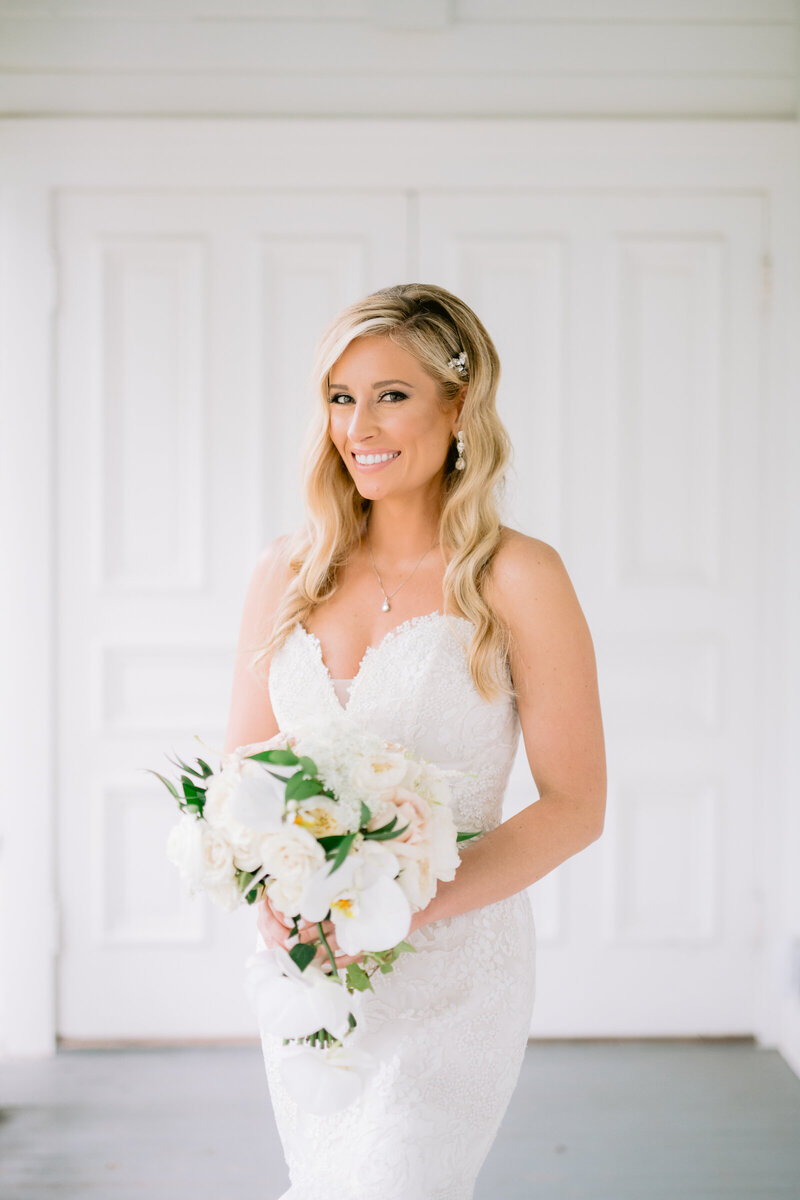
x=325, y=1080
x=293, y=1003
x=368, y=907
x=257, y=801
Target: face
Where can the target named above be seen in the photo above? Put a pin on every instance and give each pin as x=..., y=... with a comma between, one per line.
x=382, y=402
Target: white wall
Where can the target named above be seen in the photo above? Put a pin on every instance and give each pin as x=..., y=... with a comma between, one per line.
x=720, y=58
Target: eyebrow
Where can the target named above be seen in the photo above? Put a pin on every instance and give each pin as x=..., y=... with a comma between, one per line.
x=380, y=383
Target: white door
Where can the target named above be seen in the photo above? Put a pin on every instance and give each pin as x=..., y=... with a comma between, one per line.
x=186, y=329
x=629, y=330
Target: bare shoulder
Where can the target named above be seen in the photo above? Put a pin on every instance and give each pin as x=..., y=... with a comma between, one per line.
x=269, y=579
x=524, y=570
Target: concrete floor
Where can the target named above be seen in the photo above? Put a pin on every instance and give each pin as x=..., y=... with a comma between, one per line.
x=589, y=1121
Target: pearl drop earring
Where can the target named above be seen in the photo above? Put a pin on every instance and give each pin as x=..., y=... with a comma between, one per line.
x=460, y=463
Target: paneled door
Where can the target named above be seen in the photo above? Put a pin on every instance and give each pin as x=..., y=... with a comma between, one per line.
x=629, y=329
x=185, y=335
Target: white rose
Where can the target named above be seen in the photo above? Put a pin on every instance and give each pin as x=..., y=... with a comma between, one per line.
x=377, y=771
x=185, y=850
x=201, y=853
x=244, y=841
x=416, y=878
x=226, y=894
x=291, y=857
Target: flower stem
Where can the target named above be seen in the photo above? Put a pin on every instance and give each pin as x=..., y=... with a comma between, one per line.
x=327, y=947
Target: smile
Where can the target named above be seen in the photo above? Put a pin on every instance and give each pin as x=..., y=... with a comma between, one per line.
x=375, y=460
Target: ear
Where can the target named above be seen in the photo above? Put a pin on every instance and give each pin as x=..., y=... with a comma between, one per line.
x=459, y=404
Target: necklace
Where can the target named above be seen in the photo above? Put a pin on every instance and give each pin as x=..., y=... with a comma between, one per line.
x=386, y=606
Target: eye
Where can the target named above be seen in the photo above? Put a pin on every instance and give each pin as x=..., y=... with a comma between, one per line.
x=343, y=398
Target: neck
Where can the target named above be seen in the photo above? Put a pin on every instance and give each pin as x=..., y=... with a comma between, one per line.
x=400, y=531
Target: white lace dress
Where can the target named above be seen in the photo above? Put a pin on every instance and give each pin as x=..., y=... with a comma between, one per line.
x=454, y=1017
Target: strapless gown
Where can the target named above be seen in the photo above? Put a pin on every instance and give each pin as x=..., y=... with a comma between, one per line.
x=453, y=1018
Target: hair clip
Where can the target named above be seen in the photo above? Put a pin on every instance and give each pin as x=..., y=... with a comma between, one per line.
x=459, y=363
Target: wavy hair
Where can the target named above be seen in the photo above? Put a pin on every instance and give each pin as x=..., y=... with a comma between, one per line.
x=434, y=325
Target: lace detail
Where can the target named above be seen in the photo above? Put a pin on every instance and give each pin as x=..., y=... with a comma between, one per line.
x=450, y=1023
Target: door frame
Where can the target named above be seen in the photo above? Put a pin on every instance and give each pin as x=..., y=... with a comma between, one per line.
x=42, y=157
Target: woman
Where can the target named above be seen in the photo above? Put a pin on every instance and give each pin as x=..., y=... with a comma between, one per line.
x=406, y=604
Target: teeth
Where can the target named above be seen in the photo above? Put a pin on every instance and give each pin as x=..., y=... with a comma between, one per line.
x=367, y=459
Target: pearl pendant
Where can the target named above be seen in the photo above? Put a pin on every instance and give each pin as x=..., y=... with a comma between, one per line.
x=386, y=605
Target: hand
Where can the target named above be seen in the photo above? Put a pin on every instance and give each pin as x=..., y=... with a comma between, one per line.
x=271, y=923
x=310, y=933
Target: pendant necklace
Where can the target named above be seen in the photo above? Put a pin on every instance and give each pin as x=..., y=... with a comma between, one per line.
x=386, y=606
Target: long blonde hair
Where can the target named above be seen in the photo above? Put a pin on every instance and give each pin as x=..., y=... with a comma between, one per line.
x=433, y=325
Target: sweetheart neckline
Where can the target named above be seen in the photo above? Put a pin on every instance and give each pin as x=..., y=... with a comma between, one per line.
x=371, y=650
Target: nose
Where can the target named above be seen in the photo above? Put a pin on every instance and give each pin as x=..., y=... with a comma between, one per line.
x=362, y=422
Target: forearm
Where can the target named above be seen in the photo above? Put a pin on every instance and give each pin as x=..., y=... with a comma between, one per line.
x=511, y=857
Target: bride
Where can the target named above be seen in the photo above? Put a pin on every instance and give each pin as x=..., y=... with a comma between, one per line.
x=404, y=606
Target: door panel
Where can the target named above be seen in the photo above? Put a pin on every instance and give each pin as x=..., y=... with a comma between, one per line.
x=186, y=329
x=629, y=330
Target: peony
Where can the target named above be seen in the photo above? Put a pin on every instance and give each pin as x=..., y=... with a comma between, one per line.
x=377, y=771
x=411, y=811
x=320, y=815
x=291, y=857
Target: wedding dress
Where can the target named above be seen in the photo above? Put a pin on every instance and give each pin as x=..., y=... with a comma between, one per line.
x=452, y=1020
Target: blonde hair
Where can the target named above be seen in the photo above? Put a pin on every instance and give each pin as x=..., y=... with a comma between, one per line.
x=434, y=326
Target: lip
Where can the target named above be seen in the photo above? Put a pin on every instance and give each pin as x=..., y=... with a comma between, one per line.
x=378, y=465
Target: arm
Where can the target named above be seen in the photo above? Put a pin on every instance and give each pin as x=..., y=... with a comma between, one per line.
x=250, y=717
x=555, y=680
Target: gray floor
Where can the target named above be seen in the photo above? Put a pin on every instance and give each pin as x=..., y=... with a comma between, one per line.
x=589, y=1120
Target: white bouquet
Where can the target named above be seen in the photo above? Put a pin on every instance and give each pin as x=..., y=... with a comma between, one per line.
x=357, y=832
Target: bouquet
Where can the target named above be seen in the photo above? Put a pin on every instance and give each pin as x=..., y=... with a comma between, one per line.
x=331, y=823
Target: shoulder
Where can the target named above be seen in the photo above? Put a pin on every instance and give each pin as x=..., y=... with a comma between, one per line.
x=522, y=569
x=269, y=578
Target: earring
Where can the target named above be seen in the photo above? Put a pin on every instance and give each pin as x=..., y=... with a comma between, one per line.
x=460, y=463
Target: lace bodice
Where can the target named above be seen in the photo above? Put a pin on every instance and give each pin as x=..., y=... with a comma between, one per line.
x=414, y=687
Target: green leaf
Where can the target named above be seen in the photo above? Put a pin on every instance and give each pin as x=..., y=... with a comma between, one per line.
x=366, y=813
x=243, y=878
x=190, y=790
x=286, y=758
x=386, y=832
x=308, y=764
x=330, y=842
x=463, y=837
x=185, y=766
x=166, y=782
x=206, y=768
x=401, y=946
x=342, y=852
x=386, y=967
x=252, y=896
x=358, y=979
x=302, y=954
x=300, y=789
